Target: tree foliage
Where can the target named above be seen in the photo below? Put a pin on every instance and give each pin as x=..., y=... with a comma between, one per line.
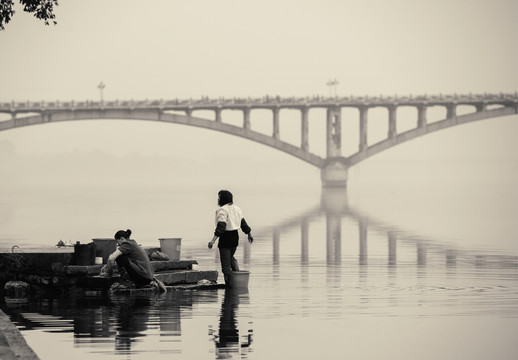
x=42, y=10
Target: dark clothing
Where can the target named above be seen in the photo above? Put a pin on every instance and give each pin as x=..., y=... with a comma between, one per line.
x=222, y=226
x=228, y=261
x=136, y=262
x=244, y=226
x=228, y=239
x=138, y=279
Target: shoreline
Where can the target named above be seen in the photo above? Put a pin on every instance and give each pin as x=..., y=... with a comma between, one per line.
x=52, y=270
x=12, y=343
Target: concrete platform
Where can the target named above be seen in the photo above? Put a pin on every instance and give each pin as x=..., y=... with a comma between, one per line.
x=186, y=277
x=53, y=271
x=158, y=266
x=178, y=287
x=170, y=278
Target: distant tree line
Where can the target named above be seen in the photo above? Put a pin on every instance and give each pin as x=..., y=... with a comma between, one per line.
x=42, y=9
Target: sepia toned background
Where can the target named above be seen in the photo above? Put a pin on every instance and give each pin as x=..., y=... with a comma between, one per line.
x=74, y=181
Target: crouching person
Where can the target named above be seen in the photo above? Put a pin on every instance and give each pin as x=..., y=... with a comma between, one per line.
x=134, y=260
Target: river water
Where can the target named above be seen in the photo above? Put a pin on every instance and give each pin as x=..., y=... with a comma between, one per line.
x=397, y=266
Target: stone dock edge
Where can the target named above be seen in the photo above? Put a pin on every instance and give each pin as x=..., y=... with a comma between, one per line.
x=12, y=343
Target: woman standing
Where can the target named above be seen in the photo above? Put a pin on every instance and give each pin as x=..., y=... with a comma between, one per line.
x=130, y=256
x=229, y=219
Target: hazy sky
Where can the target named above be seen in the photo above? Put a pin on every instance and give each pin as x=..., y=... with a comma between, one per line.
x=179, y=49
x=168, y=49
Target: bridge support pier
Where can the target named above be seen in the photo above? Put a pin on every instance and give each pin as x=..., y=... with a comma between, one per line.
x=363, y=128
x=451, y=111
x=334, y=174
x=334, y=200
x=275, y=123
x=304, y=129
x=246, y=119
x=421, y=116
x=334, y=171
x=392, y=132
x=334, y=132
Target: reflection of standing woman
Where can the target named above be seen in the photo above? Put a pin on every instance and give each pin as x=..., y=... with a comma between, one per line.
x=229, y=219
x=228, y=339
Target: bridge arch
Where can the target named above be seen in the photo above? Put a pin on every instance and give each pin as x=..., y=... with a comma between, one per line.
x=334, y=166
x=174, y=118
x=427, y=128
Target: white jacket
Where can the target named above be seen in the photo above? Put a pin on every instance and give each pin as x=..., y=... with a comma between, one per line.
x=231, y=215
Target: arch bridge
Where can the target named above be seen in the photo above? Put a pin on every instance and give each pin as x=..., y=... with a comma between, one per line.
x=334, y=166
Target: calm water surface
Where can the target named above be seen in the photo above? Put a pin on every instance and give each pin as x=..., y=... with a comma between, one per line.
x=329, y=278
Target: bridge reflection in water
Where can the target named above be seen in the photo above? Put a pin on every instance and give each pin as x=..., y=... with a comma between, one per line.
x=335, y=209
x=163, y=326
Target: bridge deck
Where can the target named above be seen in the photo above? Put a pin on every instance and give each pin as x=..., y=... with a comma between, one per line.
x=268, y=102
x=333, y=168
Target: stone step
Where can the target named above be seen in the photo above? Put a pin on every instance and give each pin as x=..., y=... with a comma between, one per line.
x=158, y=266
x=186, y=277
x=169, y=278
x=180, y=287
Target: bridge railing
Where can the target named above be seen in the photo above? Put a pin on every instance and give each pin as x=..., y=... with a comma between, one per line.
x=266, y=100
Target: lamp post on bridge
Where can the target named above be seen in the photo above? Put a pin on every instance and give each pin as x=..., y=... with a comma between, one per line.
x=101, y=87
x=331, y=84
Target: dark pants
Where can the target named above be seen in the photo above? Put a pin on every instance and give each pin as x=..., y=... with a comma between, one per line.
x=139, y=280
x=228, y=263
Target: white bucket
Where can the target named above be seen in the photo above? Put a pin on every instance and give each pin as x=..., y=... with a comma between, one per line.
x=172, y=247
x=240, y=279
x=105, y=247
